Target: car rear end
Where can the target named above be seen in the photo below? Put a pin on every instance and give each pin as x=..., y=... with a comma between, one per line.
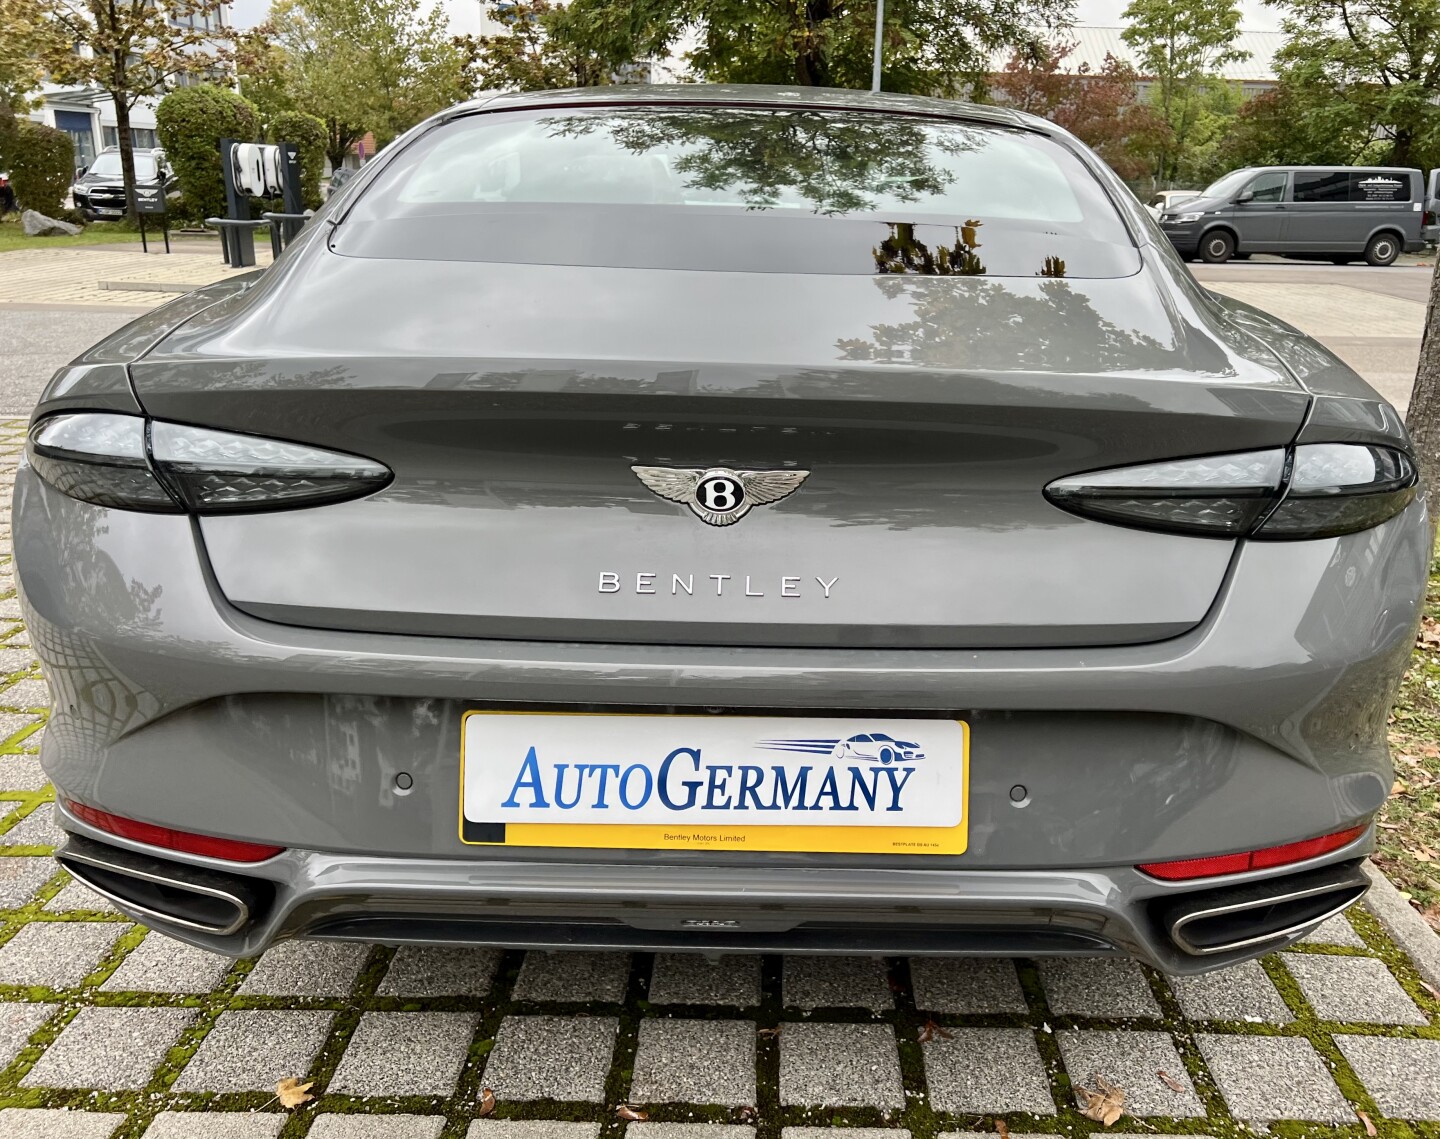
x=346, y=583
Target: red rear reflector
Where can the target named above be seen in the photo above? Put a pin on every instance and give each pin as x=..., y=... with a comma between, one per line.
x=232, y=850
x=1264, y=859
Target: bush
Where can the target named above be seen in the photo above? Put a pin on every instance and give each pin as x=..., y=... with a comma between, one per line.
x=41, y=161
x=191, y=121
x=309, y=134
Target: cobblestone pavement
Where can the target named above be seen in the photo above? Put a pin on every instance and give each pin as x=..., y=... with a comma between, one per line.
x=109, y=1030
x=73, y=275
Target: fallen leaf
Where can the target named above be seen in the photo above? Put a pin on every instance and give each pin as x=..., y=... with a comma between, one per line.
x=1431, y=989
x=1171, y=1082
x=634, y=1114
x=932, y=1030
x=1399, y=787
x=1369, y=1127
x=746, y=1114
x=292, y=1093
x=769, y=1031
x=1104, y=1106
x=487, y=1103
x=1001, y=1130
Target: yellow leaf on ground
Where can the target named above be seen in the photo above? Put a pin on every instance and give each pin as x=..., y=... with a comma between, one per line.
x=1369, y=1127
x=292, y=1093
x=1105, y=1106
x=1171, y=1082
x=634, y=1114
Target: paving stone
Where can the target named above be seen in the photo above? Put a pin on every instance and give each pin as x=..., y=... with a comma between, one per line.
x=17, y=1022
x=695, y=1061
x=58, y=954
x=405, y=1053
x=572, y=977
x=1242, y=992
x=847, y=1132
x=376, y=1127
x=1133, y=1061
x=1402, y=1075
x=160, y=964
x=1357, y=989
x=78, y=896
x=112, y=1049
x=698, y=1131
x=57, y=1123
x=306, y=969
x=967, y=984
x=836, y=982
x=435, y=971
x=252, y=1050
x=14, y=660
x=35, y=829
x=1336, y=931
x=12, y=723
x=1273, y=1077
x=987, y=1070
x=21, y=876
x=551, y=1057
x=22, y=773
x=690, y=979
x=840, y=1064
x=531, y=1129
x=26, y=694
x=386, y=1126
x=216, y=1125
x=1097, y=986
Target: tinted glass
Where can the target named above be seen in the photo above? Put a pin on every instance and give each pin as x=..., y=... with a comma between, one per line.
x=750, y=189
x=1268, y=187
x=1322, y=186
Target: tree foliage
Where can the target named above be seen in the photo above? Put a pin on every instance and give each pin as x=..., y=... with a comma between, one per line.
x=191, y=121
x=1372, y=64
x=25, y=39
x=1181, y=45
x=360, y=65
x=931, y=47
x=1297, y=124
x=41, y=161
x=1099, y=107
x=135, y=47
x=308, y=133
x=526, y=56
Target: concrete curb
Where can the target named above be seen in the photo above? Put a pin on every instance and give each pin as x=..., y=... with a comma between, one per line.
x=1407, y=928
x=145, y=287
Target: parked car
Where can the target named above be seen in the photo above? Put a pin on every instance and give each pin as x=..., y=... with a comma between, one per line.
x=1165, y=199
x=1334, y=213
x=99, y=189
x=1431, y=232
x=595, y=462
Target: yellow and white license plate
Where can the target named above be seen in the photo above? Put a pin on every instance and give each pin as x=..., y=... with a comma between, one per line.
x=863, y=785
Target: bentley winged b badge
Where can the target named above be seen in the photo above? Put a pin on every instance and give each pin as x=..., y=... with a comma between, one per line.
x=720, y=496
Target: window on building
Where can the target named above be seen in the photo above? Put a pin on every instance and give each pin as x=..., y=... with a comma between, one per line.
x=141, y=138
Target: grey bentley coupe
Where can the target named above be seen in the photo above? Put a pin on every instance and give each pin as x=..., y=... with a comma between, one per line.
x=515, y=560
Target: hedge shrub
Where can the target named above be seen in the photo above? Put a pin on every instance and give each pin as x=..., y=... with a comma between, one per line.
x=41, y=161
x=191, y=121
x=309, y=134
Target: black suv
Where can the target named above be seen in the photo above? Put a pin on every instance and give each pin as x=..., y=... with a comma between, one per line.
x=99, y=189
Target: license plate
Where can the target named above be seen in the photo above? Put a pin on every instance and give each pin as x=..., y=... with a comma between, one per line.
x=869, y=785
x=108, y=210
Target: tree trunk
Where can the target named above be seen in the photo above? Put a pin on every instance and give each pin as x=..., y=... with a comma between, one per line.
x=127, y=150
x=1423, y=418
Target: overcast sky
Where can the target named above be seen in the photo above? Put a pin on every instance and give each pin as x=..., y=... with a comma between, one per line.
x=465, y=14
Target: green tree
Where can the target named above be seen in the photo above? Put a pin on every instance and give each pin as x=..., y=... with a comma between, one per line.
x=134, y=48
x=25, y=39
x=931, y=47
x=1181, y=44
x=1377, y=62
x=526, y=56
x=1298, y=124
x=366, y=65
x=309, y=135
x=191, y=121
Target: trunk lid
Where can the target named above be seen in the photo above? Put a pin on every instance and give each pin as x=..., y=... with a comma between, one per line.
x=512, y=402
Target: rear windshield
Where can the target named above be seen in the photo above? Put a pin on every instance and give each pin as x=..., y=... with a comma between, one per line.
x=745, y=189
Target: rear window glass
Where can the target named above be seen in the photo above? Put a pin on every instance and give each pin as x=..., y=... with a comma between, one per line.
x=1352, y=186
x=742, y=188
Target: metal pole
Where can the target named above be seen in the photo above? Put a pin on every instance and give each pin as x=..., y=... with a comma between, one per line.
x=879, y=32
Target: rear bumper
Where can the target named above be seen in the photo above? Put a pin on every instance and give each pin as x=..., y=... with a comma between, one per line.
x=589, y=905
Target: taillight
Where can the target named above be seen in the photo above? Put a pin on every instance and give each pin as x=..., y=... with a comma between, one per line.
x=230, y=849
x=124, y=461
x=1316, y=490
x=1271, y=856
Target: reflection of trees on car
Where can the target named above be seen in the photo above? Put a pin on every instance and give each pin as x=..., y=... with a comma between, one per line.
x=837, y=163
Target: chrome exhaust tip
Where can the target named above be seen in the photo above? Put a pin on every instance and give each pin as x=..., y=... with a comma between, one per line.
x=1233, y=918
x=164, y=892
